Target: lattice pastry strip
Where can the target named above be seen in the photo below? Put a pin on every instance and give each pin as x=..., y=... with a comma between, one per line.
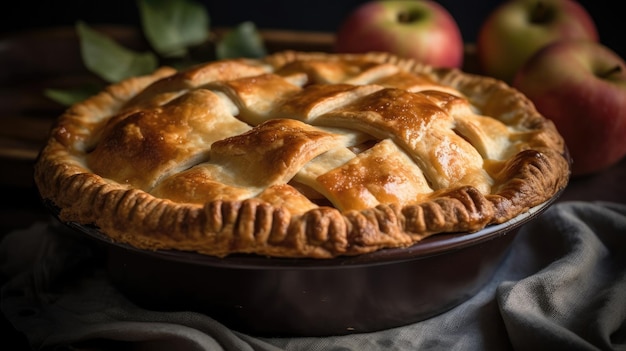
x=271, y=154
x=141, y=147
x=317, y=99
x=335, y=72
x=492, y=138
x=421, y=128
x=257, y=96
x=395, y=179
x=164, y=90
x=411, y=82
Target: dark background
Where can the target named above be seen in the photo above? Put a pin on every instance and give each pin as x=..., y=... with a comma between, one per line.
x=312, y=15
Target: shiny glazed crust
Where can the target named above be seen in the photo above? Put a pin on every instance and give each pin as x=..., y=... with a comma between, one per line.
x=299, y=155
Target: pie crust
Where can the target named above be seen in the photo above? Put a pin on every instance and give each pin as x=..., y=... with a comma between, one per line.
x=299, y=154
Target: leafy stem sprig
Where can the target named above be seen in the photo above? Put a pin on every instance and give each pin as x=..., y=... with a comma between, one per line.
x=178, y=33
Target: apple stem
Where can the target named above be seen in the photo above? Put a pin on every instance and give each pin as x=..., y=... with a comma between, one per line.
x=610, y=72
x=407, y=16
x=541, y=13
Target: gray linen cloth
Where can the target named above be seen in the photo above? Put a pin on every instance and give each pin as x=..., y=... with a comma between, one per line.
x=562, y=286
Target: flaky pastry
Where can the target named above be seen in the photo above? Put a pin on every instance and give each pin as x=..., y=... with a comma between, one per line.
x=299, y=155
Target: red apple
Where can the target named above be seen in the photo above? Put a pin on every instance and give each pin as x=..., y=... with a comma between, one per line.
x=516, y=29
x=581, y=86
x=419, y=29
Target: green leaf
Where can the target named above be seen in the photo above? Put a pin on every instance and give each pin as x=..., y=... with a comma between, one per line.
x=109, y=60
x=68, y=97
x=243, y=41
x=172, y=26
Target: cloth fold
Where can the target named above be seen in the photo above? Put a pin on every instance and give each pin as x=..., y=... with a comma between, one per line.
x=562, y=286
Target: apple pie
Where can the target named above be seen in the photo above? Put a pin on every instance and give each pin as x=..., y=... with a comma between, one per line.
x=299, y=154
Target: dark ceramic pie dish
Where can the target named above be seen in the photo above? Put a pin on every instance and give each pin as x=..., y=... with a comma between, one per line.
x=310, y=297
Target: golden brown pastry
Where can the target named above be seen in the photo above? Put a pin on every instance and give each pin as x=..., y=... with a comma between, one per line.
x=299, y=155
